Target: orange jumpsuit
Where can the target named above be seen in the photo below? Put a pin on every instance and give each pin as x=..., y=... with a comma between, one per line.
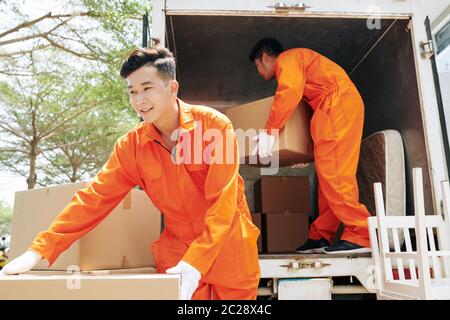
x=336, y=130
x=207, y=220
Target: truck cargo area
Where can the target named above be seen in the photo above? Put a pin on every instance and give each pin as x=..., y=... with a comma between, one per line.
x=214, y=70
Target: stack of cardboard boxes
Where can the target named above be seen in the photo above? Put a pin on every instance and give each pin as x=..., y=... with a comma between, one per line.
x=112, y=261
x=283, y=206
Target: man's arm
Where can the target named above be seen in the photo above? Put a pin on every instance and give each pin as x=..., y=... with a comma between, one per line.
x=291, y=84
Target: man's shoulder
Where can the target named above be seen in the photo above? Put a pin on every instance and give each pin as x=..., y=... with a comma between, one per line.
x=132, y=135
x=297, y=51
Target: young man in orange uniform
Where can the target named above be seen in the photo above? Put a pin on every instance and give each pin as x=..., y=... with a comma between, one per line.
x=209, y=238
x=336, y=129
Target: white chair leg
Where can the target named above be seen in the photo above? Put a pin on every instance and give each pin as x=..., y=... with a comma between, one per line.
x=446, y=212
x=445, y=232
x=421, y=233
x=373, y=227
x=383, y=239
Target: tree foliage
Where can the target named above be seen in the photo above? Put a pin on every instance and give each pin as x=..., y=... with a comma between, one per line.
x=62, y=101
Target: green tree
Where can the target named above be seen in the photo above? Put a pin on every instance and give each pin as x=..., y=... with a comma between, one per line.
x=85, y=29
x=62, y=103
x=84, y=147
x=5, y=219
x=88, y=140
x=38, y=113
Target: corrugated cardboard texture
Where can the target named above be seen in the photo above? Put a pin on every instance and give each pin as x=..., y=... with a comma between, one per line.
x=284, y=232
x=256, y=218
x=104, y=272
x=90, y=287
x=127, y=202
x=34, y=211
x=294, y=143
x=275, y=194
x=121, y=240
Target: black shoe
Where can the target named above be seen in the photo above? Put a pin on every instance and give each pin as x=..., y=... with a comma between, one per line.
x=313, y=246
x=346, y=247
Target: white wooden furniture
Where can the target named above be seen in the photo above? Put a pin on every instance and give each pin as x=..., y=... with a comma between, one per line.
x=412, y=272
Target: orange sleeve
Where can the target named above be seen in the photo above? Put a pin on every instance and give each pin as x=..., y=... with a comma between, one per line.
x=221, y=188
x=89, y=206
x=291, y=83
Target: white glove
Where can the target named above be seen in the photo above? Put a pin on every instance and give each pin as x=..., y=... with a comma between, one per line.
x=264, y=146
x=21, y=264
x=190, y=278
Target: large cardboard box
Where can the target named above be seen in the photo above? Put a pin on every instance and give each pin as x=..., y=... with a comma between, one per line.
x=58, y=285
x=275, y=194
x=294, y=143
x=284, y=233
x=101, y=272
x=121, y=240
x=256, y=217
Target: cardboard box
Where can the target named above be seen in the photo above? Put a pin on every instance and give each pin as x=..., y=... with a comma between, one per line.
x=294, y=143
x=43, y=285
x=274, y=194
x=256, y=218
x=121, y=240
x=284, y=233
x=103, y=272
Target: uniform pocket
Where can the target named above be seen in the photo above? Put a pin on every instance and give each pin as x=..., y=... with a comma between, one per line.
x=321, y=127
x=152, y=170
x=246, y=248
x=237, y=261
x=351, y=105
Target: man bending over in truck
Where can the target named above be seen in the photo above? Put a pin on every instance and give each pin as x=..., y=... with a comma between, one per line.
x=209, y=238
x=336, y=129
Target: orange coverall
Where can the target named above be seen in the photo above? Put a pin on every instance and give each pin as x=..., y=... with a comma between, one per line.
x=207, y=220
x=336, y=130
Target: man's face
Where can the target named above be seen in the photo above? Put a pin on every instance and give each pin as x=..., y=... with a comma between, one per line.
x=150, y=95
x=264, y=65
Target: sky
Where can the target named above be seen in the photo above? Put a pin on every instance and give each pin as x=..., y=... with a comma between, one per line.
x=9, y=184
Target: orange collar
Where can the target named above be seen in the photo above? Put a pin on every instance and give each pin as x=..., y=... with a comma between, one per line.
x=187, y=124
x=276, y=69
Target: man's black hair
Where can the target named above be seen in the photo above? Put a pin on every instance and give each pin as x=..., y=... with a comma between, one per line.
x=158, y=57
x=270, y=46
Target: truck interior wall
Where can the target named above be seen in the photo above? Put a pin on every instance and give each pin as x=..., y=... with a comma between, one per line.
x=387, y=81
x=213, y=68
x=212, y=51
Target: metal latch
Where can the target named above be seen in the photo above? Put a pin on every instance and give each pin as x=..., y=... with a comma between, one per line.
x=426, y=49
x=283, y=6
x=305, y=265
